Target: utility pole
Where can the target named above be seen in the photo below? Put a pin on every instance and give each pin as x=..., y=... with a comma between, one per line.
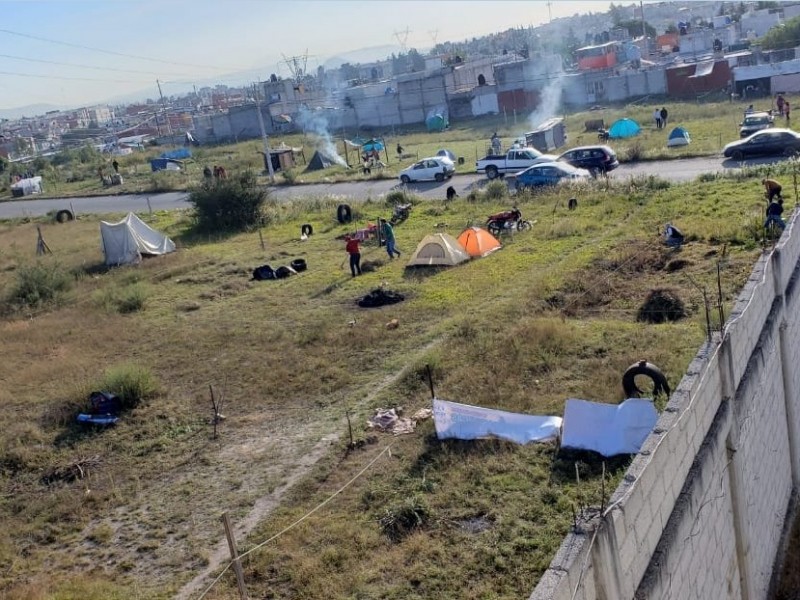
x=267, y=155
x=550, y=12
x=164, y=109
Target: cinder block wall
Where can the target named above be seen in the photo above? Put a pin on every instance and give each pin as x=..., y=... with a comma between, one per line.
x=702, y=509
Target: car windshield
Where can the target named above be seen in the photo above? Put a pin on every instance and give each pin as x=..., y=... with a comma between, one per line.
x=530, y=154
x=761, y=120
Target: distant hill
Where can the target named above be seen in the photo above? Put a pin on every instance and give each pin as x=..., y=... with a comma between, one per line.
x=31, y=110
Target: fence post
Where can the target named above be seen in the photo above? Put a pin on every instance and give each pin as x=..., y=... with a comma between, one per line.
x=237, y=565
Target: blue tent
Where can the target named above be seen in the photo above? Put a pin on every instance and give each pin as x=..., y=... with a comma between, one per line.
x=678, y=137
x=371, y=145
x=178, y=153
x=436, y=122
x=624, y=128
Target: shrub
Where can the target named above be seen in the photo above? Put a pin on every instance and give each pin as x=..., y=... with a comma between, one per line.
x=634, y=152
x=39, y=284
x=124, y=300
x=400, y=519
x=496, y=190
x=661, y=305
x=289, y=176
x=132, y=383
x=229, y=205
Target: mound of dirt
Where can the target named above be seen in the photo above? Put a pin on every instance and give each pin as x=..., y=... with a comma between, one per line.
x=661, y=305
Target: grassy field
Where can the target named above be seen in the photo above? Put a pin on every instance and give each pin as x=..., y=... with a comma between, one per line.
x=133, y=511
x=711, y=126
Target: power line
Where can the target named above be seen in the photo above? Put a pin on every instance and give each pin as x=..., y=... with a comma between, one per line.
x=73, y=78
x=66, y=64
x=111, y=52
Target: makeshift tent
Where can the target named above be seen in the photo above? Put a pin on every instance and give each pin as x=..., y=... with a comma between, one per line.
x=165, y=164
x=319, y=161
x=26, y=187
x=371, y=145
x=436, y=123
x=478, y=242
x=178, y=153
x=678, y=137
x=125, y=242
x=609, y=429
x=446, y=154
x=624, y=128
x=438, y=250
x=465, y=422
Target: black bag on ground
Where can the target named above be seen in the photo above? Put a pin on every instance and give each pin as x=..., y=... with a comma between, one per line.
x=283, y=272
x=379, y=297
x=263, y=273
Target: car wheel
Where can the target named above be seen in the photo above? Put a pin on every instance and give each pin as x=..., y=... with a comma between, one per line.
x=405, y=179
x=439, y=177
x=491, y=172
x=738, y=155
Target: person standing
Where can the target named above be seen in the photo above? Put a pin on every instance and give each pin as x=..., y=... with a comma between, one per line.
x=657, y=118
x=388, y=236
x=352, y=248
x=780, y=103
x=786, y=109
x=774, y=212
x=399, y=150
x=772, y=187
x=664, y=115
x=115, y=164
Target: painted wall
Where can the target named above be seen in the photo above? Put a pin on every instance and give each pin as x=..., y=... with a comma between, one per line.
x=702, y=509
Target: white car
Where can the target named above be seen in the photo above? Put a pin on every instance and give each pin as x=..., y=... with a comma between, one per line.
x=436, y=168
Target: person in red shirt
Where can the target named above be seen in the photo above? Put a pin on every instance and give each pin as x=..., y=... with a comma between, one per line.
x=352, y=248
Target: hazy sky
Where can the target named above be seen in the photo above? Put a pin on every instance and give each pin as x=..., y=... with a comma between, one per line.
x=194, y=40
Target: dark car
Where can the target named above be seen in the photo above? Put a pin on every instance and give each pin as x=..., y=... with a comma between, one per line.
x=595, y=159
x=767, y=142
x=755, y=122
x=549, y=174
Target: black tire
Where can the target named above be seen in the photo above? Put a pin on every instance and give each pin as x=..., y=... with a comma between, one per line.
x=647, y=369
x=439, y=177
x=299, y=265
x=64, y=215
x=491, y=172
x=306, y=229
x=494, y=229
x=524, y=226
x=344, y=214
x=405, y=179
x=738, y=155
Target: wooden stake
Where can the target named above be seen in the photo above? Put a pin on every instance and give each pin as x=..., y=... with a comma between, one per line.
x=430, y=381
x=349, y=426
x=261, y=237
x=237, y=565
x=41, y=245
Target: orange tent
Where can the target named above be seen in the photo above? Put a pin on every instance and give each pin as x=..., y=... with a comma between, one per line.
x=478, y=242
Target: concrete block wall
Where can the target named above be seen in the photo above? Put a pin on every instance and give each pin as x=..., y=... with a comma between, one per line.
x=701, y=510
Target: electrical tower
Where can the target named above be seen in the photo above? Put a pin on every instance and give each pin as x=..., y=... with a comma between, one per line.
x=297, y=66
x=434, y=34
x=402, y=39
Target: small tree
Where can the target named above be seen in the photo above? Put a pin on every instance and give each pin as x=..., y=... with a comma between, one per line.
x=228, y=205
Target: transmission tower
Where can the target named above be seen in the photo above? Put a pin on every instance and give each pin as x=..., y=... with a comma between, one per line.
x=402, y=38
x=434, y=34
x=297, y=66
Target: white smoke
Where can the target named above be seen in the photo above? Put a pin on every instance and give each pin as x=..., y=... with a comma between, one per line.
x=316, y=124
x=549, y=102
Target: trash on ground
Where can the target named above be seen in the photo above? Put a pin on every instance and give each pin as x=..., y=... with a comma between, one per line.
x=380, y=297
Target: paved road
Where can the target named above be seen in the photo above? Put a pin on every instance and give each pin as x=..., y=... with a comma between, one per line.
x=674, y=170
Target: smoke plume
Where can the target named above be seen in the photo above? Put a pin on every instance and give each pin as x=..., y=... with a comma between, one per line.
x=550, y=101
x=316, y=124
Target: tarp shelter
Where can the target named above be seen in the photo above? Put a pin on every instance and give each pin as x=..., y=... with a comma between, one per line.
x=478, y=242
x=446, y=154
x=436, y=122
x=678, y=137
x=609, y=429
x=371, y=145
x=126, y=241
x=26, y=187
x=624, y=128
x=438, y=250
x=178, y=153
x=465, y=422
x=319, y=161
x=165, y=164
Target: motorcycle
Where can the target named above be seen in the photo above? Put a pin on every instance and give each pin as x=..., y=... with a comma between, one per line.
x=507, y=221
x=400, y=213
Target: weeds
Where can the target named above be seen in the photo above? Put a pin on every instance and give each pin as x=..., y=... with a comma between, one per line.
x=39, y=284
x=132, y=383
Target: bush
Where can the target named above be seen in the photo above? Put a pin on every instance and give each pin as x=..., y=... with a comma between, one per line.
x=233, y=204
x=634, y=152
x=404, y=517
x=289, y=176
x=39, y=284
x=125, y=300
x=496, y=190
x=131, y=383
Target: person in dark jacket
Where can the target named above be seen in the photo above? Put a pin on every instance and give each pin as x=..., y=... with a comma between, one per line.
x=664, y=115
x=774, y=212
x=673, y=236
x=772, y=187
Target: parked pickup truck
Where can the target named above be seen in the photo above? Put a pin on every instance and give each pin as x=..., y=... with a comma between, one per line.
x=513, y=161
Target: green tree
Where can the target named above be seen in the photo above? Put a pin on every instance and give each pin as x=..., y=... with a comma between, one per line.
x=634, y=27
x=783, y=36
x=228, y=205
x=417, y=60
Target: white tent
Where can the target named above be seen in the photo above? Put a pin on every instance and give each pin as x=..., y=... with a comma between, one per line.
x=26, y=187
x=438, y=250
x=125, y=242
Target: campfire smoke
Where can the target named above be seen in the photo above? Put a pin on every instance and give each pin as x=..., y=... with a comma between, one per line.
x=316, y=124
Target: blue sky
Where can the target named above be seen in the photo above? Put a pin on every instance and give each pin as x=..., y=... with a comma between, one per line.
x=191, y=41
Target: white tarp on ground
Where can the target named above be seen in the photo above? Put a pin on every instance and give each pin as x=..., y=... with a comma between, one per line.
x=608, y=428
x=125, y=242
x=31, y=185
x=465, y=422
